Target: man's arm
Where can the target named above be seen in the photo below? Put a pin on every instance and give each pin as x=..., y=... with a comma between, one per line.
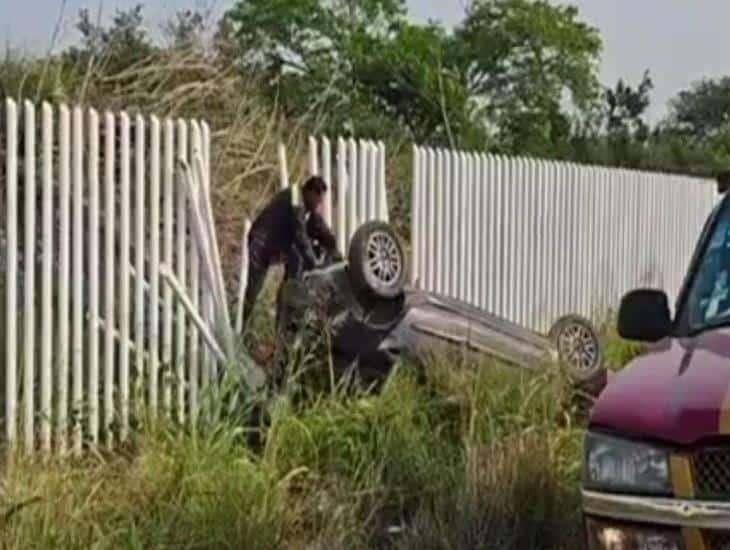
x=301, y=239
x=317, y=229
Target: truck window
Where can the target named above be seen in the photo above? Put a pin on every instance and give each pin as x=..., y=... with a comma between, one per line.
x=708, y=301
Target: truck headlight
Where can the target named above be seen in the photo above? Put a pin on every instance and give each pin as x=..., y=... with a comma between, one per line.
x=614, y=464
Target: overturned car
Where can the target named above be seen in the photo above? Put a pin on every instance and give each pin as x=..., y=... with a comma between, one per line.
x=375, y=318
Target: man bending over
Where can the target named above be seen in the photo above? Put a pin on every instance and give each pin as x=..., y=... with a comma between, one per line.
x=284, y=232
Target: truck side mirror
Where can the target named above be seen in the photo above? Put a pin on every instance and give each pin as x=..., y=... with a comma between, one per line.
x=644, y=316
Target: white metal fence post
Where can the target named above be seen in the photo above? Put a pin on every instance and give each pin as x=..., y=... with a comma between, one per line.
x=283, y=169
x=243, y=275
x=109, y=270
x=362, y=181
x=438, y=222
x=181, y=269
x=78, y=278
x=353, y=182
x=94, y=278
x=11, y=270
x=168, y=248
x=29, y=280
x=210, y=368
x=372, y=186
x=327, y=175
x=313, y=157
x=154, y=346
x=431, y=264
x=124, y=274
x=446, y=194
x=416, y=236
x=383, y=213
x=47, y=283
x=193, y=359
x=141, y=275
x=471, y=235
x=342, y=185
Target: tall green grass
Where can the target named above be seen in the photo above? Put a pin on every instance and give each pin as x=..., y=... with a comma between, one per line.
x=444, y=456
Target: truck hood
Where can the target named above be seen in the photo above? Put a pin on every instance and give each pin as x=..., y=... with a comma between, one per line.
x=678, y=393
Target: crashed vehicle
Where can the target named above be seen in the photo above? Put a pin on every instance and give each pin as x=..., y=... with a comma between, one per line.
x=375, y=318
x=657, y=455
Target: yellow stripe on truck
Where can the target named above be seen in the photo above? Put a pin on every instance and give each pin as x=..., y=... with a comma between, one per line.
x=725, y=414
x=680, y=469
x=693, y=539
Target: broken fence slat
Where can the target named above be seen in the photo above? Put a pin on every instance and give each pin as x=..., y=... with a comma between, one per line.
x=187, y=303
x=200, y=233
x=204, y=186
x=283, y=169
x=211, y=259
x=101, y=324
x=244, y=278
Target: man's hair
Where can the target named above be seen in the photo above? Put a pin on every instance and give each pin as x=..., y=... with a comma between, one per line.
x=315, y=184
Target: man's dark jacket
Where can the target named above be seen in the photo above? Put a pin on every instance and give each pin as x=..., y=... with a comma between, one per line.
x=281, y=226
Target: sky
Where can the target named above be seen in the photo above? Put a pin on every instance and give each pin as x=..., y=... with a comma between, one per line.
x=679, y=41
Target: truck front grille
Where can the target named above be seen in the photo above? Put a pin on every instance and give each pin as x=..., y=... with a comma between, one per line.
x=717, y=540
x=712, y=473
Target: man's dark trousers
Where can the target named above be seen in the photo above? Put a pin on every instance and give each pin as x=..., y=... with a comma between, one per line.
x=258, y=268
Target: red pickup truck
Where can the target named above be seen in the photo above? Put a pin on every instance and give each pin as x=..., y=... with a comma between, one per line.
x=657, y=454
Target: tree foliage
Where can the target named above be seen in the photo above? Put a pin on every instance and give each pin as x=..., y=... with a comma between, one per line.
x=626, y=108
x=626, y=128
x=702, y=111
x=500, y=79
x=521, y=58
x=514, y=76
x=115, y=47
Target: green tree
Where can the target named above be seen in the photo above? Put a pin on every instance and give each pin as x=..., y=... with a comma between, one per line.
x=112, y=48
x=698, y=126
x=185, y=29
x=503, y=74
x=703, y=110
x=627, y=131
x=523, y=59
x=359, y=64
x=626, y=108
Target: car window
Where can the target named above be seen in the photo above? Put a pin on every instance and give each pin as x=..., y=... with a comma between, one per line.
x=708, y=302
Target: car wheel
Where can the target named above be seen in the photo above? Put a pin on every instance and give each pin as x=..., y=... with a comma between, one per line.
x=578, y=347
x=377, y=261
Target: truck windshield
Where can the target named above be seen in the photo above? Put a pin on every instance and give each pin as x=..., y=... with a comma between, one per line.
x=708, y=301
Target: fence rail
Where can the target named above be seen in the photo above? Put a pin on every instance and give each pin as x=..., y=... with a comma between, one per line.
x=536, y=240
x=94, y=322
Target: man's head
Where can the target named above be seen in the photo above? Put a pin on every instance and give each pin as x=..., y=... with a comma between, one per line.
x=313, y=193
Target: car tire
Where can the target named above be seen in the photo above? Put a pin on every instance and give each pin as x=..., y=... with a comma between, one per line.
x=579, y=348
x=377, y=261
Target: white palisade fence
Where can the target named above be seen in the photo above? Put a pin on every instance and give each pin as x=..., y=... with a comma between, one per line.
x=112, y=282
x=355, y=171
x=534, y=240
